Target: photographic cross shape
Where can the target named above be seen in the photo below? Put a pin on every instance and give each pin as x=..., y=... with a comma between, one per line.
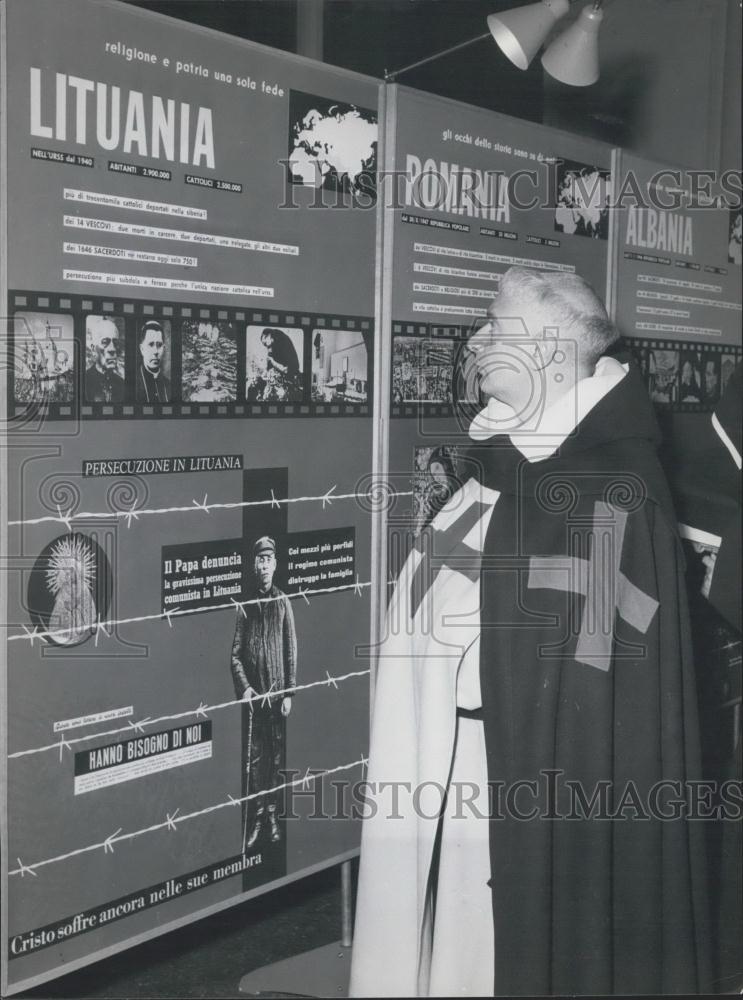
x=600, y=580
x=445, y=547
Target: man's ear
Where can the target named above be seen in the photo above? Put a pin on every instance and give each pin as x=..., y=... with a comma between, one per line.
x=545, y=349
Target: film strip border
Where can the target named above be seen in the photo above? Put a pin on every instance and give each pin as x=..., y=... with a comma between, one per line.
x=430, y=374
x=214, y=361
x=684, y=376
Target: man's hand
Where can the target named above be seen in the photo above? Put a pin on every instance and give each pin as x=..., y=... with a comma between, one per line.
x=286, y=706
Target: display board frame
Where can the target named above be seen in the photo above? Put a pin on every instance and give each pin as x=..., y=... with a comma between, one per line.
x=271, y=315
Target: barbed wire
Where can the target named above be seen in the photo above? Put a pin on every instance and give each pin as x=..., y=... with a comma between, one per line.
x=202, y=711
x=172, y=820
x=30, y=635
x=133, y=513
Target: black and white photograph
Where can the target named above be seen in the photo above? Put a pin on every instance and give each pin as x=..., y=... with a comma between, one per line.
x=153, y=383
x=370, y=499
x=661, y=369
x=332, y=145
x=44, y=355
x=263, y=664
x=105, y=359
x=691, y=387
x=436, y=478
x=274, y=364
x=422, y=370
x=340, y=367
x=735, y=237
x=711, y=377
x=209, y=361
x=70, y=589
x=583, y=197
x=727, y=367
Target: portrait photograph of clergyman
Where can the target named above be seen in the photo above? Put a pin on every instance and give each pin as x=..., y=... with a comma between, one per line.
x=274, y=364
x=152, y=380
x=105, y=349
x=264, y=668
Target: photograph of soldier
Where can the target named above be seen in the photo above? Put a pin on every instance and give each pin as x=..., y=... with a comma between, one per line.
x=209, y=362
x=264, y=660
x=44, y=357
x=274, y=364
x=105, y=347
x=339, y=367
x=153, y=362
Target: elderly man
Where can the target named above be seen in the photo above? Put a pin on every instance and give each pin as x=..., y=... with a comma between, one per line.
x=103, y=384
x=535, y=706
x=264, y=661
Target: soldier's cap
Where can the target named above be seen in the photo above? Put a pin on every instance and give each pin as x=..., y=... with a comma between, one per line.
x=264, y=544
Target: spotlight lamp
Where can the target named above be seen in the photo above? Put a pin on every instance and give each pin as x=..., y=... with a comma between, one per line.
x=521, y=32
x=572, y=57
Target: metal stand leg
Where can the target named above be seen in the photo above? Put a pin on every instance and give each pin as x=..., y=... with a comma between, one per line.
x=323, y=972
x=346, y=906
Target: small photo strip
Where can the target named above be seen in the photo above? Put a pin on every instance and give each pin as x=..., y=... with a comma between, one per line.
x=44, y=357
x=105, y=359
x=340, y=367
x=209, y=361
x=274, y=364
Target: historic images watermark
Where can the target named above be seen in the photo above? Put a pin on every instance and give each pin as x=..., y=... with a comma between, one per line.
x=549, y=796
x=438, y=185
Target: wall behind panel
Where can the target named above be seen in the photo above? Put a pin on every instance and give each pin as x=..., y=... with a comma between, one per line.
x=661, y=88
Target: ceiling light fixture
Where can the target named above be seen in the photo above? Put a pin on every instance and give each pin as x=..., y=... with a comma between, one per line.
x=572, y=57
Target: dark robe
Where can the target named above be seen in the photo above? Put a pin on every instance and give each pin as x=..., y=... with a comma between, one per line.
x=151, y=389
x=586, y=671
x=725, y=589
x=104, y=387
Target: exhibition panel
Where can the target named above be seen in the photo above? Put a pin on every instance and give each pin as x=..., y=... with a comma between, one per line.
x=190, y=228
x=476, y=193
